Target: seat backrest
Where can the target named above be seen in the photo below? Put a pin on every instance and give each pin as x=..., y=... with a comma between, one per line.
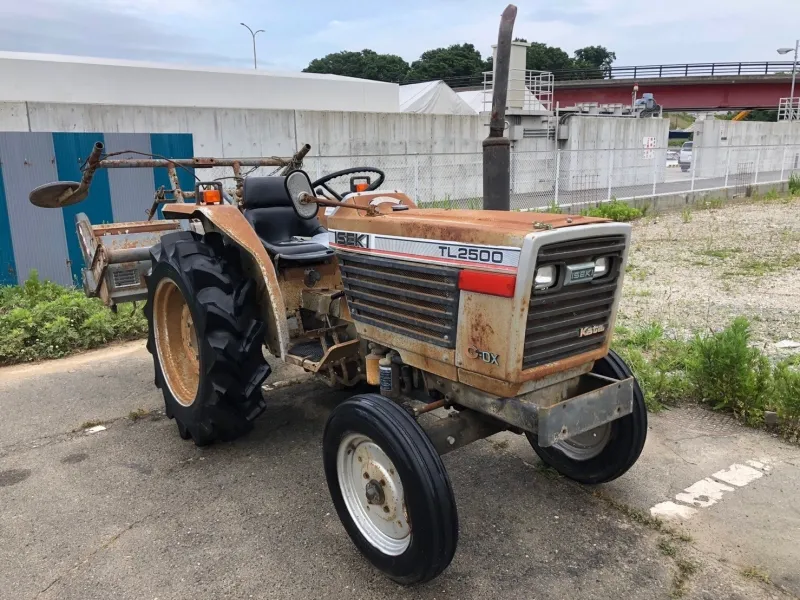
x=268, y=208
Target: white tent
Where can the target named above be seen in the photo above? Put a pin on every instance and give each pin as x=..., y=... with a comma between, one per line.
x=481, y=100
x=432, y=97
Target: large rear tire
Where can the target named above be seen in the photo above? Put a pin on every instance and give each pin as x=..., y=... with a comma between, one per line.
x=606, y=452
x=206, y=338
x=390, y=488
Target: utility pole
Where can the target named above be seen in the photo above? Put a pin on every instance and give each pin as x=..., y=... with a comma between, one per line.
x=254, y=34
x=794, y=108
x=497, y=147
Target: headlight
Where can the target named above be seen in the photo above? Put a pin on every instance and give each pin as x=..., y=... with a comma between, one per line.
x=545, y=277
x=600, y=267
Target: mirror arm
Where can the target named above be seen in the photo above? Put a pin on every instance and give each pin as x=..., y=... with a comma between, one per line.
x=308, y=198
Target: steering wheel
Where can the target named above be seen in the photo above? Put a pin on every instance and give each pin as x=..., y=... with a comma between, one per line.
x=373, y=185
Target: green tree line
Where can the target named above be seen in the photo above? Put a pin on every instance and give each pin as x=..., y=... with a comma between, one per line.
x=458, y=60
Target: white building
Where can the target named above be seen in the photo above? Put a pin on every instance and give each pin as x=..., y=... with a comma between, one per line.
x=48, y=78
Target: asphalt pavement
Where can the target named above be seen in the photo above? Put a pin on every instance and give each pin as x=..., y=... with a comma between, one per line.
x=132, y=511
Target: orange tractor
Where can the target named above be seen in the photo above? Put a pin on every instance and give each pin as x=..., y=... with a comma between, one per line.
x=501, y=318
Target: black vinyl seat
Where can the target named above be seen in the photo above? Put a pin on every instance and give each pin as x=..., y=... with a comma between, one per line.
x=268, y=208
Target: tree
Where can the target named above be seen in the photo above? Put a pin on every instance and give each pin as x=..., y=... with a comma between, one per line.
x=541, y=57
x=594, y=62
x=595, y=56
x=458, y=60
x=366, y=64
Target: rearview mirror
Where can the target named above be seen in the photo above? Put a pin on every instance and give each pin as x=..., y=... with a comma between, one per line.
x=298, y=186
x=57, y=194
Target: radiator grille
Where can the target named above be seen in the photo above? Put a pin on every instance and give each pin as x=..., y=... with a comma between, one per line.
x=415, y=300
x=557, y=316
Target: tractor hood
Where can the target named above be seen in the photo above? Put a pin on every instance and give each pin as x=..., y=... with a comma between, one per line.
x=485, y=227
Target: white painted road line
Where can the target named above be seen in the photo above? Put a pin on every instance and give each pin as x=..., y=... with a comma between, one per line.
x=738, y=475
x=704, y=493
x=670, y=510
x=707, y=492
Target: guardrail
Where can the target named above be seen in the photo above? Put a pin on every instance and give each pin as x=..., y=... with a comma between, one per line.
x=646, y=72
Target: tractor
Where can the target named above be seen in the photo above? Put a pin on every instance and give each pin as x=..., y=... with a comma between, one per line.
x=501, y=321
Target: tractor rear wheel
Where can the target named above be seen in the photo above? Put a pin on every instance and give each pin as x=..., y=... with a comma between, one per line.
x=206, y=338
x=606, y=452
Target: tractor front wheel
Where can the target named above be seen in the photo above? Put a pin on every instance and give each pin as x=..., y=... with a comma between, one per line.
x=206, y=338
x=606, y=452
x=390, y=488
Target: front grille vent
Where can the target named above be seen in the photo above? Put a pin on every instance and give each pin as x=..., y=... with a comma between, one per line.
x=411, y=299
x=558, y=317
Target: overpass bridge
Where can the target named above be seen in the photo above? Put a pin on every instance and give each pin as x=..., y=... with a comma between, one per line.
x=677, y=87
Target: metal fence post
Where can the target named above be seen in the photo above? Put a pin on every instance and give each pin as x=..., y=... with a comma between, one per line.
x=727, y=166
x=558, y=175
x=416, y=177
x=610, y=170
x=758, y=163
x=783, y=163
x=655, y=172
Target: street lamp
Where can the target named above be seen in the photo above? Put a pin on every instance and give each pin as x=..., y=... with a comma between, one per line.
x=254, y=34
x=794, y=74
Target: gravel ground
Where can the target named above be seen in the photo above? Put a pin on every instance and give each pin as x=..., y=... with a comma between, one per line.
x=700, y=269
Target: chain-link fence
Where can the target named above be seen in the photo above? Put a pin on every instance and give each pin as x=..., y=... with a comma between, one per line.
x=576, y=179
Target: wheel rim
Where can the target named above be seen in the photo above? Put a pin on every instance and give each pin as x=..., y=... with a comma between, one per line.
x=587, y=445
x=176, y=342
x=373, y=494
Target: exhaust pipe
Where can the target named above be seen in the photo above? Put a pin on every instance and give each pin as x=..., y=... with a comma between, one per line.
x=497, y=147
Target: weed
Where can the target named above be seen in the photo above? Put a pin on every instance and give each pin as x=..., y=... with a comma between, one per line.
x=772, y=194
x=686, y=569
x=722, y=253
x=686, y=215
x=91, y=423
x=551, y=208
x=500, y=445
x=642, y=518
x=794, y=184
x=785, y=392
x=614, y=210
x=638, y=293
x=756, y=573
x=727, y=373
x=137, y=414
x=41, y=319
x=547, y=471
x=667, y=547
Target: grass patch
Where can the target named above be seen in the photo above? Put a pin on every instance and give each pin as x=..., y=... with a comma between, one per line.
x=794, y=184
x=721, y=253
x=551, y=208
x=41, y=319
x=137, y=414
x=686, y=215
x=685, y=569
x=615, y=210
x=667, y=547
x=448, y=203
x=755, y=267
x=756, y=573
x=720, y=369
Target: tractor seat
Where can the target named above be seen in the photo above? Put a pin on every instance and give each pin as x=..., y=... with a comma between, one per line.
x=268, y=208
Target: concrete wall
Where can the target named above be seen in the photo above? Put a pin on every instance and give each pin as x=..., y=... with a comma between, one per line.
x=586, y=157
x=744, y=148
x=78, y=80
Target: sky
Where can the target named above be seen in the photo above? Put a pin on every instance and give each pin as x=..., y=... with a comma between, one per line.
x=207, y=32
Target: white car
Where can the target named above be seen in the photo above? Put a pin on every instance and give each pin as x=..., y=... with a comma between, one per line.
x=685, y=156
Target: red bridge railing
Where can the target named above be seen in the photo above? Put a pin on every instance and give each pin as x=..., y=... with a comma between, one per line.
x=646, y=72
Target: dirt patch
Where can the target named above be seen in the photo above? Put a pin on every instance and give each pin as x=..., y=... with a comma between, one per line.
x=699, y=269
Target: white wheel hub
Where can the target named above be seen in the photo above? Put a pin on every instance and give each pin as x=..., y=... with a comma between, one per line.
x=587, y=445
x=373, y=494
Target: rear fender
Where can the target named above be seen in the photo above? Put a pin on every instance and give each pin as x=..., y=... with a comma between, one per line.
x=229, y=221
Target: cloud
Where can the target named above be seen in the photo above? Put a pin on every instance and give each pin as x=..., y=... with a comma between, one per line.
x=208, y=31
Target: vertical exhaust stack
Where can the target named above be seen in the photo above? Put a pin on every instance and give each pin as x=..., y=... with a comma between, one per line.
x=497, y=147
